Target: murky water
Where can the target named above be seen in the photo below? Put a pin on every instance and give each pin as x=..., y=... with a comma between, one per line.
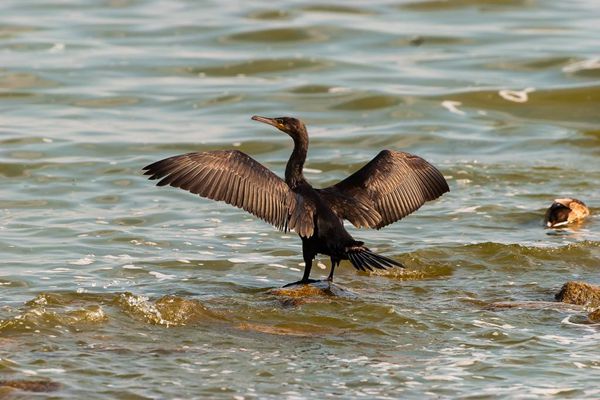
x=113, y=288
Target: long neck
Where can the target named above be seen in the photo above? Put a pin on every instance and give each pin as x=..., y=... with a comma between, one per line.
x=293, y=170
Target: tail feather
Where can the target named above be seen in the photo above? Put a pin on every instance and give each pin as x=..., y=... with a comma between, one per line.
x=363, y=256
x=356, y=261
x=368, y=264
x=379, y=264
x=362, y=259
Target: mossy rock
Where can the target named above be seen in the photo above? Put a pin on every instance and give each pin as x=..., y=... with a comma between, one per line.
x=579, y=293
x=313, y=289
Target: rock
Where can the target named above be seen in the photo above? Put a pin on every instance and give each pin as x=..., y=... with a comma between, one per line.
x=31, y=386
x=313, y=289
x=168, y=310
x=314, y=292
x=534, y=305
x=579, y=293
x=594, y=316
x=180, y=311
x=300, y=331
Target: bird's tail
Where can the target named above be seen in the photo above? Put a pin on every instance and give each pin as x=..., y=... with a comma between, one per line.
x=364, y=259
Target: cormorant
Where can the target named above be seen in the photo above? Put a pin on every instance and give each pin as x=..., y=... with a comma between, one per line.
x=390, y=187
x=565, y=211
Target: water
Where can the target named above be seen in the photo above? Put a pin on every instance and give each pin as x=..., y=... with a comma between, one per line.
x=113, y=288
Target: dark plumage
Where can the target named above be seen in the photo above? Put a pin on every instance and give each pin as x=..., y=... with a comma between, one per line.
x=565, y=211
x=388, y=188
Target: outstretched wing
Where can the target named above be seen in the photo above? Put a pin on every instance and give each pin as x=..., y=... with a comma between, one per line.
x=233, y=177
x=393, y=185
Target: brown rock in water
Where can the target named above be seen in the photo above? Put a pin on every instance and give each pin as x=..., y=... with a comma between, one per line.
x=31, y=386
x=314, y=292
x=313, y=289
x=168, y=310
x=300, y=331
x=594, y=316
x=534, y=305
x=580, y=293
x=179, y=311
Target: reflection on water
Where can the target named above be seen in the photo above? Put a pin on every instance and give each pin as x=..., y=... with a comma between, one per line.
x=113, y=285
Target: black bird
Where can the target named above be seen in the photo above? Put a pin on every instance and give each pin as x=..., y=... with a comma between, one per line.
x=387, y=189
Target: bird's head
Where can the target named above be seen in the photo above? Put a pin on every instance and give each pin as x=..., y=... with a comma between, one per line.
x=557, y=215
x=292, y=126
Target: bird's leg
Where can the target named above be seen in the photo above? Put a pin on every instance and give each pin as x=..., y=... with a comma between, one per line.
x=333, y=265
x=307, y=267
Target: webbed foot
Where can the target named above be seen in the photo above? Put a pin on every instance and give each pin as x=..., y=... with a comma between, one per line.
x=302, y=282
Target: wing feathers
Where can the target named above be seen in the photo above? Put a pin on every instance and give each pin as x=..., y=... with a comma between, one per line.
x=392, y=185
x=233, y=177
x=388, y=188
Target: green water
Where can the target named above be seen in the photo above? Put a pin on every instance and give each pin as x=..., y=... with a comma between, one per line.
x=114, y=288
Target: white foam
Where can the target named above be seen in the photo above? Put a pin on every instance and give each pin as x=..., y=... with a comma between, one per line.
x=557, y=339
x=517, y=96
x=87, y=260
x=466, y=210
x=551, y=390
x=161, y=276
x=483, y=324
x=51, y=371
x=312, y=170
x=338, y=89
x=278, y=266
x=452, y=106
x=592, y=63
x=447, y=378
x=62, y=269
x=131, y=266
x=57, y=48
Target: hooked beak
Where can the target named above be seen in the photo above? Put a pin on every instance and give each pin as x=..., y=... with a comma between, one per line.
x=556, y=224
x=270, y=121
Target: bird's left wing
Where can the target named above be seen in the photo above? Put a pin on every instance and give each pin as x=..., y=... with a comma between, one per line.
x=233, y=177
x=393, y=185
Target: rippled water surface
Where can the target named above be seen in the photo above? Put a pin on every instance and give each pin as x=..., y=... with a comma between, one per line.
x=113, y=288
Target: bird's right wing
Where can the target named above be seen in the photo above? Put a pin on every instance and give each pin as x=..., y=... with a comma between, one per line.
x=235, y=178
x=388, y=188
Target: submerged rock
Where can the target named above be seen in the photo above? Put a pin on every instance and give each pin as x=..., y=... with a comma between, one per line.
x=573, y=296
x=180, y=311
x=534, y=305
x=579, y=293
x=300, y=331
x=31, y=386
x=168, y=310
x=594, y=316
x=89, y=314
